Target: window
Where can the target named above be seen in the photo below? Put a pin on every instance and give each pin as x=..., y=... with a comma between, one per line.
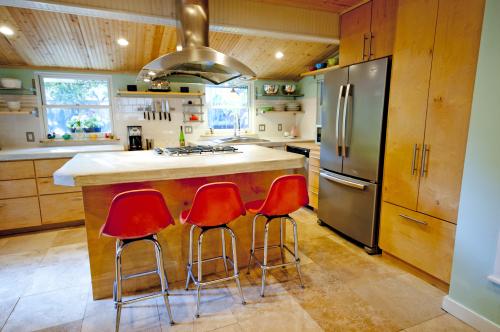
x=76, y=103
x=225, y=104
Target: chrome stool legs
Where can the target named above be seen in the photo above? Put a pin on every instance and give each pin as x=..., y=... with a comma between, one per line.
x=117, y=286
x=234, y=262
x=281, y=246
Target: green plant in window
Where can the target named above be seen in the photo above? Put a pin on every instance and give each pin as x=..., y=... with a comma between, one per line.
x=75, y=123
x=92, y=124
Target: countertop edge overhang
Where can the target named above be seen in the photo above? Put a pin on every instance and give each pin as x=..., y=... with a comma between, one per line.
x=87, y=169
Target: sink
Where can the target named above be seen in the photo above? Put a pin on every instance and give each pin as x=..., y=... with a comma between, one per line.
x=239, y=139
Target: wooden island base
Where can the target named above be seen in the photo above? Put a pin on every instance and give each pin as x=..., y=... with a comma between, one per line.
x=178, y=195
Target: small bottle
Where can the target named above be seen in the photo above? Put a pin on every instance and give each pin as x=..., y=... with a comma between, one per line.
x=182, y=141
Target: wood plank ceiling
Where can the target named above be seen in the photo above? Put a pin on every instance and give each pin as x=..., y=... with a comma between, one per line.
x=49, y=39
x=335, y=6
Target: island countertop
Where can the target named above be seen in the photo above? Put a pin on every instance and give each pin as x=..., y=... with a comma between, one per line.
x=89, y=169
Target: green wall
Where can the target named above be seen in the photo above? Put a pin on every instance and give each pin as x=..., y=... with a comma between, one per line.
x=479, y=214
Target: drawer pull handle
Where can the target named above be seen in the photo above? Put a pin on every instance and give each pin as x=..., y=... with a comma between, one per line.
x=413, y=219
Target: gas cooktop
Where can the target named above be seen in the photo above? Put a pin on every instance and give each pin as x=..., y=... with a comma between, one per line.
x=196, y=150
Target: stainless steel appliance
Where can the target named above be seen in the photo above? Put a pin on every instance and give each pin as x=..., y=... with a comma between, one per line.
x=352, y=147
x=318, y=134
x=304, y=152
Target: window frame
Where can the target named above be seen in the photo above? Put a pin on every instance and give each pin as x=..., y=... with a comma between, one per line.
x=250, y=106
x=43, y=106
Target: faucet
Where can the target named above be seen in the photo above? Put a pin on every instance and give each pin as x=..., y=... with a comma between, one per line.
x=237, y=125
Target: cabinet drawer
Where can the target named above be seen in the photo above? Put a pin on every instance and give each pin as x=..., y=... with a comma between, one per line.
x=420, y=240
x=11, y=170
x=61, y=208
x=313, y=161
x=17, y=188
x=313, y=199
x=19, y=212
x=47, y=167
x=314, y=178
x=46, y=186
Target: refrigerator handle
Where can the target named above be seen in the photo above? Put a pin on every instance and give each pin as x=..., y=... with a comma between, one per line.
x=344, y=121
x=339, y=100
x=348, y=183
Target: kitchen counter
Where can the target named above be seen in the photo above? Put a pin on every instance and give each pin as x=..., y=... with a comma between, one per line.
x=54, y=151
x=103, y=175
x=136, y=166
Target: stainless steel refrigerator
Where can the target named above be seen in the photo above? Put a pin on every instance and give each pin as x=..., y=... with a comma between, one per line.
x=352, y=147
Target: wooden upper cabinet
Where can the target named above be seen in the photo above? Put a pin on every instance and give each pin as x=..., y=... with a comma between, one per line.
x=383, y=26
x=411, y=70
x=355, y=35
x=453, y=74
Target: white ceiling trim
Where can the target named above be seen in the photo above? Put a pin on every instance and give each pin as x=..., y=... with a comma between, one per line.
x=157, y=20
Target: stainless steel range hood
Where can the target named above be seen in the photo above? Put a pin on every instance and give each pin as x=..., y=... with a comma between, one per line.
x=196, y=59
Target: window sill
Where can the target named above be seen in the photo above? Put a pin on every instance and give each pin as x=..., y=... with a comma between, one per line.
x=79, y=140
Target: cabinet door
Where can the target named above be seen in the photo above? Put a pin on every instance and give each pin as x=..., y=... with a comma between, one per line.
x=453, y=74
x=355, y=35
x=411, y=70
x=19, y=213
x=61, y=208
x=383, y=27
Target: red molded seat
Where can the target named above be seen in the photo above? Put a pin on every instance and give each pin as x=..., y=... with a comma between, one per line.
x=287, y=194
x=214, y=204
x=137, y=213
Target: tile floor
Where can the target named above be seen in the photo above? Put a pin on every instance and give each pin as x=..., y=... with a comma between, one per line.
x=45, y=286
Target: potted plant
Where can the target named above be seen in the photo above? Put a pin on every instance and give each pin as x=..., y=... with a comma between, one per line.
x=75, y=123
x=92, y=124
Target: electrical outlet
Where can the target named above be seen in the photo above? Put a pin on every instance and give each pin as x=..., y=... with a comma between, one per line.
x=262, y=127
x=30, y=136
x=280, y=127
x=188, y=129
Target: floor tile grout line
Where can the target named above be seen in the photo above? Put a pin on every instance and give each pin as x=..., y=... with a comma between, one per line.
x=10, y=314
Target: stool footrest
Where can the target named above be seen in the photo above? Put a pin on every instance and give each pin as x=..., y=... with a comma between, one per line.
x=143, y=298
x=195, y=261
x=138, y=275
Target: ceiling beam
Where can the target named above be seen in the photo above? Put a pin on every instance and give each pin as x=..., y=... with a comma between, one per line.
x=243, y=18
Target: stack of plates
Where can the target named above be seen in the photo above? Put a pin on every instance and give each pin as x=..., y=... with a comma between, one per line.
x=293, y=106
x=279, y=107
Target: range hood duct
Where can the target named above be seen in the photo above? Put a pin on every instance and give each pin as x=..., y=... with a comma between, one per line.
x=196, y=59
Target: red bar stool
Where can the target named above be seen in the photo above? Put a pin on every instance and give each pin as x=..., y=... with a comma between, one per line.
x=287, y=194
x=214, y=206
x=137, y=215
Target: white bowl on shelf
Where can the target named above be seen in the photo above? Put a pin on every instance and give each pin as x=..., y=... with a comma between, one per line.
x=10, y=83
x=14, y=106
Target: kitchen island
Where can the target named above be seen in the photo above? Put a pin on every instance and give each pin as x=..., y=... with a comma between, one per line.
x=103, y=175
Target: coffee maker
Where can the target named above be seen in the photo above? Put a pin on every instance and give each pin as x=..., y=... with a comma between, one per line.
x=134, y=138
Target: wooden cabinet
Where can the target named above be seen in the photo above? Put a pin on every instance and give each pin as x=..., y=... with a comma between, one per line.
x=47, y=167
x=19, y=213
x=12, y=170
x=418, y=239
x=29, y=197
x=355, y=35
x=17, y=188
x=313, y=178
x=411, y=72
x=367, y=32
x=430, y=100
x=429, y=106
x=46, y=186
x=450, y=99
x=61, y=208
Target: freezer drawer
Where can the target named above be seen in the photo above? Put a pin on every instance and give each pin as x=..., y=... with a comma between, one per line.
x=349, y=206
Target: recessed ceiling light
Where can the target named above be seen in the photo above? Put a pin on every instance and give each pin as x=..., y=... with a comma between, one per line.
x=151, y=73
x=122, y=42
x=6, y=30
x=179, y=48
x=279, y=55
x=147, y=80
